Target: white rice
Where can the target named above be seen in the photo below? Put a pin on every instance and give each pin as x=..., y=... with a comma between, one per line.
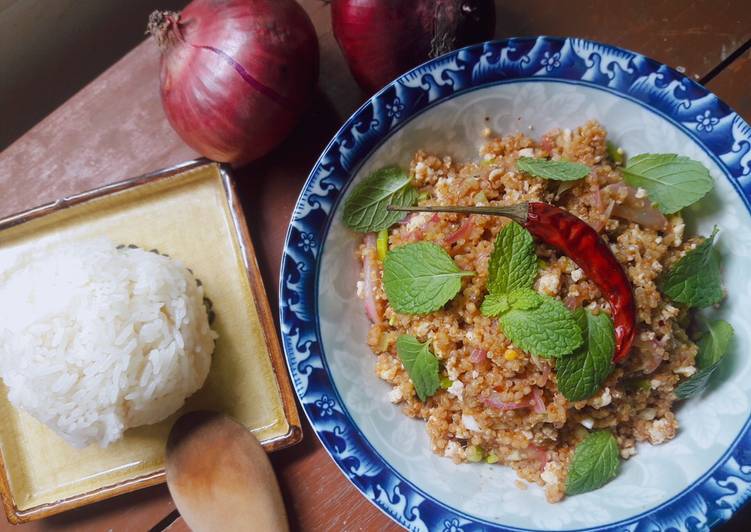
x=95, y=340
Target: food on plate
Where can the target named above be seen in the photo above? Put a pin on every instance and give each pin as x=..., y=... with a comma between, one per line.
x=539, y=309
x=97, y=338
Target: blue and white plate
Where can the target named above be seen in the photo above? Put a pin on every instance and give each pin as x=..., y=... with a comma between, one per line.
x=529, y=85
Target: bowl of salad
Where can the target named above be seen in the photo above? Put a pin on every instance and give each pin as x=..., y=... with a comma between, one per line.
x=512, y=292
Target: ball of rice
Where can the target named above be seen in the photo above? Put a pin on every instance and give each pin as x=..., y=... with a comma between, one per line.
x=95, y=340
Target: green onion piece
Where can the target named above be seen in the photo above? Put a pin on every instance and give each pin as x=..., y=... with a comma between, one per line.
x=639, y=384
x=382, y=244
x=491, y=458
x=422, y=196
x=487, y=162
x=474, y=453
x=541, y=264
x=616, y=153
x=446, y=383
x=392, y=320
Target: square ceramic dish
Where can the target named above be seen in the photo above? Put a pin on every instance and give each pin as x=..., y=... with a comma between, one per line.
x=190, y=212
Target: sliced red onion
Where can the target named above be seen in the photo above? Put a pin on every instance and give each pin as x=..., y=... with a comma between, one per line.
x=495, y=401
x=462, y=233
x=545, y=374
x=538, y=453
x=600, y=225
x=638, y=210
x=371, y=308
x=537, y=404
x=477, y=356
x=652, y=357
x=597, y=198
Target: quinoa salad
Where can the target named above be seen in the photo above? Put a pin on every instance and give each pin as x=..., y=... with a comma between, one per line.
x=468, y=362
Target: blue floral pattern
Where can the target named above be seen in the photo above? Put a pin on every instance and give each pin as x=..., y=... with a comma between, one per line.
x=325, y=406
x=696, y=111
x=550, y=62
x=706, y=122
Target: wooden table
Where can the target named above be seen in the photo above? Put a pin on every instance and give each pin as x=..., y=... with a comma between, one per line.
x=115, y=128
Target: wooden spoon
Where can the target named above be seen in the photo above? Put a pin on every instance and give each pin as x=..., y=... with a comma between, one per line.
x=220, y=477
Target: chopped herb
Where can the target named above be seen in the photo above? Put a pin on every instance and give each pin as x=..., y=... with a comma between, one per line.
x=382, y=243
x=420, y=278
x=474, y=453
x=615, y=153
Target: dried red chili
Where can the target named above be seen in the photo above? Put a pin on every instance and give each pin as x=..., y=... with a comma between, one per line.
x=577, y=240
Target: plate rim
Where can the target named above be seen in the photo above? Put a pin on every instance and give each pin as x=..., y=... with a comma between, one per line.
x=675, y=508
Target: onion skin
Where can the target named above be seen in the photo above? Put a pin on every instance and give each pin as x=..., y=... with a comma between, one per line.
x=381, y=39
x=236, y=75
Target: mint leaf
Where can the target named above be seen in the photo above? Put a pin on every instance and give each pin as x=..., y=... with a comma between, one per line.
x=671, y=181
x=494, y=305
x=365, y=207
x=421, y=365
x=524, y=299
x=695, y=279
x=420, y=278
x=695, y=384
x=513, y=263
x=549, y=330
x=714, y=343
x=712, y=348
x=581, y=375
x=557, y=170
x=594, y=464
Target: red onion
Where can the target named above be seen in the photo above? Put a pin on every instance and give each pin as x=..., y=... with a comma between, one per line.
x=494, y=401
x=462, y=233
x=638, y=210
x=538, y=453
x=381, y=39
x=371, y=307
x=537, y=404
x=477, y=356
x=236, y=75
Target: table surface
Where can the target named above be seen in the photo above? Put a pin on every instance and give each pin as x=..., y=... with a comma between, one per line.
x=115, y=128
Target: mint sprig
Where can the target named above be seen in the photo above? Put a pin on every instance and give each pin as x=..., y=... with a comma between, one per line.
x=581, y=374
x=420, y=278
x=713, y=345
x=421, y=365
x=536, y=323
x=671, y=181
x=555, y=170
x=695, y=279
x=365, y=207
x=594, y=464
